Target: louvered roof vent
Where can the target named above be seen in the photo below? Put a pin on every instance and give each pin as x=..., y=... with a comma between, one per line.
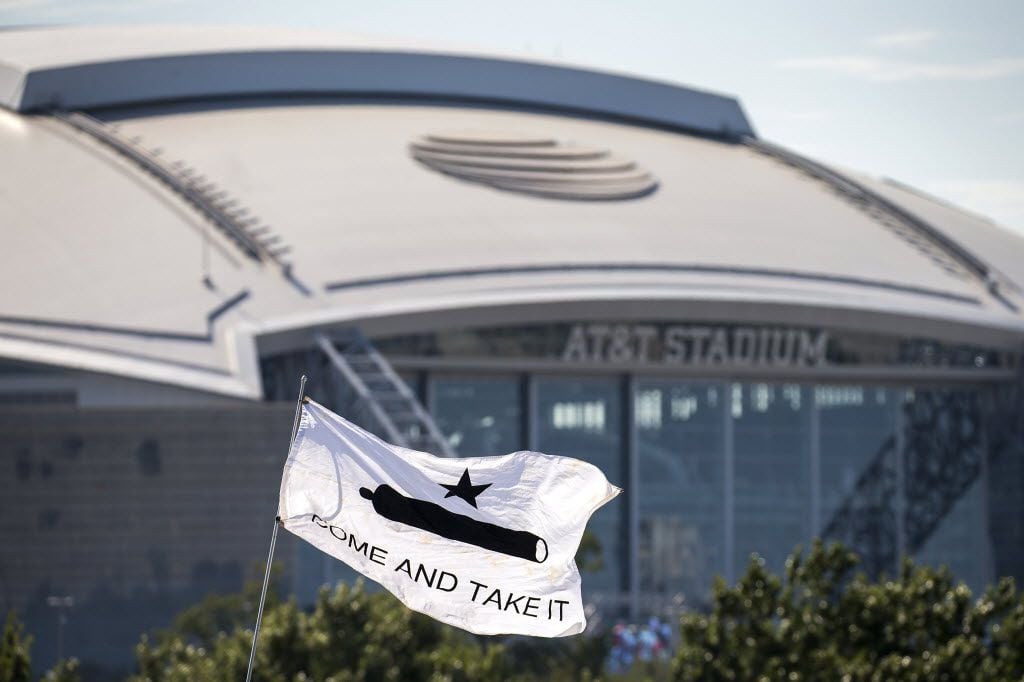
x=534, y=164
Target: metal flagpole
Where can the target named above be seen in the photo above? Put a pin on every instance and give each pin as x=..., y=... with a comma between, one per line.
x=273, y=538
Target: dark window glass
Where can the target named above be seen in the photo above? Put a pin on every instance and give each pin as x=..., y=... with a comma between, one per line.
x=944, y=463
x=679, y=430
x=478, y=415
x=857, y=427
x=772, y=490
x=960, y=541
x=858, y=472
x=582, y=418
x=413, y=381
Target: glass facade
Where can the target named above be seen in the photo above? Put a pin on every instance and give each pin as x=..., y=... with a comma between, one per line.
x=854, y=425
x=715, y=471
x=719, y=462
x=478, y=415
x=681, y=509
x=583, y=418
x=772, y=471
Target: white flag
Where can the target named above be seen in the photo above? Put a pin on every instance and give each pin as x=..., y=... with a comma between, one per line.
x=483, y=543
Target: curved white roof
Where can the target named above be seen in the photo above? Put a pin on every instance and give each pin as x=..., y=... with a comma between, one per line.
x=108, y=268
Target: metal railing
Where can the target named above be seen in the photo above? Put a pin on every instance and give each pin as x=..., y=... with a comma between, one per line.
x=993, y=281
x=254, y=240
x=382, y=391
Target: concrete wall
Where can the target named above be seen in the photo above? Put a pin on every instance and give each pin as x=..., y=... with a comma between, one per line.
x=20, y=385
x=135, y=513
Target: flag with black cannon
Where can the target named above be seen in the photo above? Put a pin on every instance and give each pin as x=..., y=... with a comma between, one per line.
x=486, y=544
x=483, y=543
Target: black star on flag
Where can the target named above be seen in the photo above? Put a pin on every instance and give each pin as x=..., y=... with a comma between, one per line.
x=465, y=489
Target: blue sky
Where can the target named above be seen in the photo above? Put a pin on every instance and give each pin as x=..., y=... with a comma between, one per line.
x=929, y=93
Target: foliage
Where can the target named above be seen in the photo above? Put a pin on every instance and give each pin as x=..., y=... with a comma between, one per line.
x=68, y=670
x=15, y=662
x=203, y=623
x=350, y=635
x=589, y=556
x=822, y=622
x=558, y=660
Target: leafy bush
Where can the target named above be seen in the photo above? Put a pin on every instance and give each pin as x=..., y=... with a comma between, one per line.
x=15, y=662
x=822, y=622
x=67, y=670
x=350, y=635
x=819, y=621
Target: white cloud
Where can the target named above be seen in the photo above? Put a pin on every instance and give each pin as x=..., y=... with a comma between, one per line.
x=881, y=70
x=904, y=39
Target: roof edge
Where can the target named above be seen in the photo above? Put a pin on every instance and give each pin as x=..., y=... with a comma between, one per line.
x=241, y=381
x=135, y=81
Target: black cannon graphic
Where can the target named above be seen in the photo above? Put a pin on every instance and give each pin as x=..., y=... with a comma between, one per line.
x=435, y=519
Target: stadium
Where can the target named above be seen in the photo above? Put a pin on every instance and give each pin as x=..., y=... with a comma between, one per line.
x=469, y=254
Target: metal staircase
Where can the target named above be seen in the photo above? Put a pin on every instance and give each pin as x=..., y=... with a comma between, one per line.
x=378, y=388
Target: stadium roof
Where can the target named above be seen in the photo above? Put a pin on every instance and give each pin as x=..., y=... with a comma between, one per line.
x=329, y=211
x=81, y=68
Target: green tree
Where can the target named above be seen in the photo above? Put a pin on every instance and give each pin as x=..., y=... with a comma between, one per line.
x=349, y=635
x=202, y=623
x=589, y=555
x=820, y=621
x=572, y=659
x=15, y=662
x=67, y=670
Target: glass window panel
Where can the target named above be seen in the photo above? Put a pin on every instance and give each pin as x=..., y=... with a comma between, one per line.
x=960, y=542
x=857, y=429
x=480, y=416
x=412, y=380
x=1004, y=489
x=945, y=497
x=679, y=432
x=582, y=418
x=772, y=491
x=859, y=498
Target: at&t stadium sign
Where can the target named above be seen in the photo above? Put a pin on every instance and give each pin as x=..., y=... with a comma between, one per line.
x=696, y=345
